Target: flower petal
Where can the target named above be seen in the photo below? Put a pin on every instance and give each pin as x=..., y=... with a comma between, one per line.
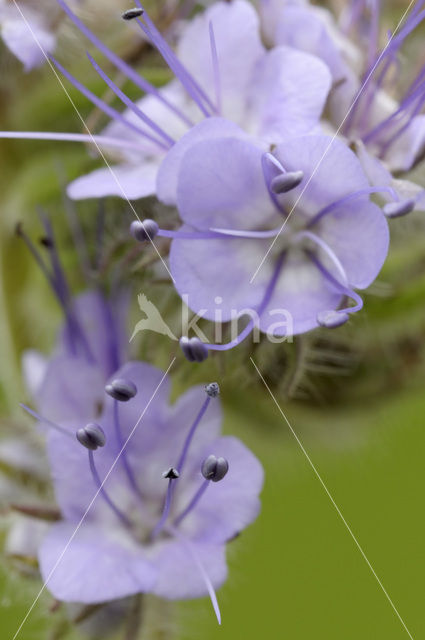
x=71, y=391
x=330, y=168
x=358, y=234
x=95, y=566
x=221, y=184
x=28, y=44
x=125, y=181
x=206, y=270
x=179, y=575
x=282, y=76
x=209, y=129
x=300, y=294
x=237, y=38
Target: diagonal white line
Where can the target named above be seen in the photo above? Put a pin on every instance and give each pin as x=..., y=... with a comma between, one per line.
x=92, y=137
x=91, y=503
x=325, y=153
x=347, y=526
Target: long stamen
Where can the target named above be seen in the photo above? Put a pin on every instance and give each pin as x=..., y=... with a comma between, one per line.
x=390, y=52
x=191, y=433
x=213, y=469
x=138, y=80
x=216, y=66
x=77, y=235
x=173, y=474
x=260, y=309
x=71, y=137
x=130, y=104
x=189, y=83
x=44, y=420
x=147, y=230
x=402, y=129
x=334, y=318
x=51, y=279
x=417, y=94
x=103, y=106
x=92, y=437
x=122, y=390
x=350, y=197
x=326, y=248
x=103, y=492
x=124, y=459
x=62, y=289
x=194, y=501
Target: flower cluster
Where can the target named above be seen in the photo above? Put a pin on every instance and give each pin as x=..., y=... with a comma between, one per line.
x=270, y=145
x=280, y=145
x=132, y=477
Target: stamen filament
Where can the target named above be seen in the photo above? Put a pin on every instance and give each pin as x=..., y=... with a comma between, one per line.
x=352, y=196
x=251, y=324
x=166, y=510
x=216, y=66
x=139, y=81
x=340, y=287
x=124, y=459
x=40, y=418
x=132, y=105
x=187, y=80
x=102, y=105
x=103, y=492
x=326, y=248
x=191, y=433
x=216, y=233
x=71, y=137
x=63, y=290
x=198, y=495
x=182, y=459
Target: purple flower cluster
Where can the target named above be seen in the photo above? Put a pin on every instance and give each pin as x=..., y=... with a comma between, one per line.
x=147, y=491
x=131, y=475
x=254, y=142
x=281, y=145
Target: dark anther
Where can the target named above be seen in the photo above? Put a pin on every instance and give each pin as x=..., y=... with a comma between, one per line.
x=131, y=14
x=214, y=469
x=194, y=350
x=120, y=389
x=91, y=436
x=143, y=231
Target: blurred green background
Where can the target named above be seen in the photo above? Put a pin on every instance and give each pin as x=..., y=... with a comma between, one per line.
x=357, y=404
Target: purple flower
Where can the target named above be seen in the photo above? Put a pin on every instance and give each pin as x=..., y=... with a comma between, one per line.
x=21, y=36
x=171, y=498
x=393, y=131
x=294, y=230
x=221, y=69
